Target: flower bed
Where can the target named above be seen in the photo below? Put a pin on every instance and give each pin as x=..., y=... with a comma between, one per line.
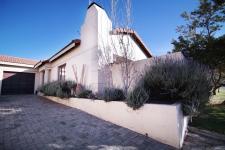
x=161, y=122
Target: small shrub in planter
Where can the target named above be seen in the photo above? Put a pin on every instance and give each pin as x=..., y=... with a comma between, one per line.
x=79, y=88
x=86, y=94
x=62, y=89
x=113, y=94
x=66, y=88
x=50, y=89
x=61, y=94
x=137, y=98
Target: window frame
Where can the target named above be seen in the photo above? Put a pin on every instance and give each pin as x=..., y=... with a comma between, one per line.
x=62, y=72
x=43, y=77
x=49, y=75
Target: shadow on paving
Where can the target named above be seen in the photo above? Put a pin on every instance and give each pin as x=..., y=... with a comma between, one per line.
x=203, y=140
x=30, y=122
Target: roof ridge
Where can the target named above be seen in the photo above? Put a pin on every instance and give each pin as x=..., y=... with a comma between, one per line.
x=94, y=3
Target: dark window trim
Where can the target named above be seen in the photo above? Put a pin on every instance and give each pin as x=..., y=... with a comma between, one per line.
x=43, y=77
x=49, y=75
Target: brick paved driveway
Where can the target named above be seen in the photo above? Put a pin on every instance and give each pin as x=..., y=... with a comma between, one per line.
x=29, y=122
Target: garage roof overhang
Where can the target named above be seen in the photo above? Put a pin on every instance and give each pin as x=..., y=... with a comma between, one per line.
x=16, y=64
x=17, y=61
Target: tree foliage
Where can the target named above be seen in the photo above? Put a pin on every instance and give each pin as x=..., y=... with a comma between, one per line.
x=199, y=38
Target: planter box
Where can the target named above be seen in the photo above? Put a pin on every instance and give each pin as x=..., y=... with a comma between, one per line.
x=164, y=123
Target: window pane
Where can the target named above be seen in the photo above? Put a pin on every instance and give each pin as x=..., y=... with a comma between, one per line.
x=62, y=72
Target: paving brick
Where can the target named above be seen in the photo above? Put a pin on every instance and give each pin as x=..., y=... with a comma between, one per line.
x=36, y=123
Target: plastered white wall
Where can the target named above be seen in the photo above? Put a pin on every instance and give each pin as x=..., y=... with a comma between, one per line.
x=158, y=121
x=76, y=58
x=83, y=56
x=111, y=42
x=133, y=49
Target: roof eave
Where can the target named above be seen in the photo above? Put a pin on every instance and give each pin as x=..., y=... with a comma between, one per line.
x=16, y=64
x=68, y=47
x=37, y=64
x=136, y=38
x=144, y=47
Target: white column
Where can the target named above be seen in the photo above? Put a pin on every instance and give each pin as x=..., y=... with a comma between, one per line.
x=37, y=81
x=1, y=78
x=46, y=76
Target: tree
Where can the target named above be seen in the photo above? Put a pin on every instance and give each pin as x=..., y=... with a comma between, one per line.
x=122, y=19
x=198, y=40
x=119, y=49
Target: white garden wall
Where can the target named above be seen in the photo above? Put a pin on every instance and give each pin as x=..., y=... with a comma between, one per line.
x=136, y=69
x=164, y=123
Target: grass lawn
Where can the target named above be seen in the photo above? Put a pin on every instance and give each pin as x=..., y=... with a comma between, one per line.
x=219, y=97
x=213, y=116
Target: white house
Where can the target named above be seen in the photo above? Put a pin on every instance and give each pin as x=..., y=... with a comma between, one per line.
x=83, y=60
x=81, y=57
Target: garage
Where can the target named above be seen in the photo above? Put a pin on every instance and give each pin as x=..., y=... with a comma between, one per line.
x=17, y=75
x=17, y=83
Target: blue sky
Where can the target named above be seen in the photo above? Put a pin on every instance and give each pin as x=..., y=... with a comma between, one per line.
x=38, y=28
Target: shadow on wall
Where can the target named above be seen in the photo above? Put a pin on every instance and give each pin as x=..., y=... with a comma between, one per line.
x=105, y=78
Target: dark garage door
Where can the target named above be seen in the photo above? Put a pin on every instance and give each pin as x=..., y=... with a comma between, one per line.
x=17, y=83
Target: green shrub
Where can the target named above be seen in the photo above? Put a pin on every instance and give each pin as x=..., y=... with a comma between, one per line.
x=62, y=89
x=66, y=88
x=50, y=89
x=86, y=94
x=170, y=80
x=137, y=98
x=61, y=94
x=112, y=94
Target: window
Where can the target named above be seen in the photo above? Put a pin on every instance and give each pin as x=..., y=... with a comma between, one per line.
x=49, y=75
x=62, y=72
x=43, y=77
